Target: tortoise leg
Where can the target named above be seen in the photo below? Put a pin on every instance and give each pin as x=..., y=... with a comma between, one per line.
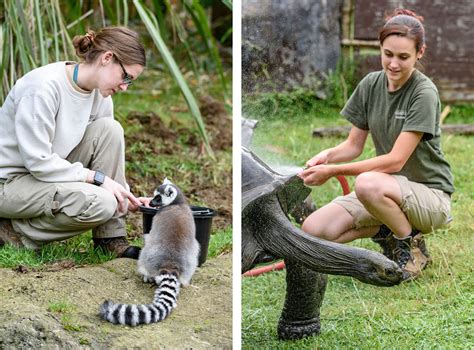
x=304, y=295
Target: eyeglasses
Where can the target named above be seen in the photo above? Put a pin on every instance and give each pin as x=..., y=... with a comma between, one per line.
x=127, y=78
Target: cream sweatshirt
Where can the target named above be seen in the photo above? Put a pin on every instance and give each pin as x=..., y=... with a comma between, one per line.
x=42, y=120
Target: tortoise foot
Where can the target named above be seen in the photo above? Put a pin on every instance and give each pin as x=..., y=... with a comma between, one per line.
x=292, y=330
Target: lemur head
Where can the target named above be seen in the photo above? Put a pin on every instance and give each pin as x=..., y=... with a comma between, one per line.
x=166, y=194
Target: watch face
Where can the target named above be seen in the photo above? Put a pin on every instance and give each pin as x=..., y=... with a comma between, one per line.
x=99, y=178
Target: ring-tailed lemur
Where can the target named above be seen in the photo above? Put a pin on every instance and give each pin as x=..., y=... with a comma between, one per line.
x=169, y=258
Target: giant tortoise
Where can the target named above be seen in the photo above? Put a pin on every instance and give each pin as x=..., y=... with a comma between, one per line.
x=267, y=197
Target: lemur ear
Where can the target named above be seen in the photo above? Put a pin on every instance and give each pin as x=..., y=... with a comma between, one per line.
x=167, y=182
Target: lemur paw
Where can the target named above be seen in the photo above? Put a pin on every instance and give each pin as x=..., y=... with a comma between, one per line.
x=148, y=279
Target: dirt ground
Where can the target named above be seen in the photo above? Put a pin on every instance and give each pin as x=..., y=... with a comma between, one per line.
x=30, y=317
x=177, y=140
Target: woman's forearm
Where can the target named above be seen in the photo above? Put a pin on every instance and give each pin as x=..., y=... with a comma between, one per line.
x=344, y=152
x=385, y=164
x=351, y=148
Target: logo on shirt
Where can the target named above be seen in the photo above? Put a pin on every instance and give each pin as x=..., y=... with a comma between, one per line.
x=400, y=114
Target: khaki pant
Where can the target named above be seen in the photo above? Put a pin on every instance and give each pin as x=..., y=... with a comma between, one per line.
x=427, y=209
x=44, y=212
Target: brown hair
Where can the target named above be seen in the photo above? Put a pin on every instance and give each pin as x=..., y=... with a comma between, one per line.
x=405, y=23
x=122, y=41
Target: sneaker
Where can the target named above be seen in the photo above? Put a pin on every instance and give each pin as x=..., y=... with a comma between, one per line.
x=410, y=258
x=384, y=238
x=8, y=234
x=119, y=246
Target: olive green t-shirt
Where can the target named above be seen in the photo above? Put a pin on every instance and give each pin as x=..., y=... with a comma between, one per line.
x=414, y=107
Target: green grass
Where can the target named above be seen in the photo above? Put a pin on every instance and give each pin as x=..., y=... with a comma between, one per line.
x=60, y=306
x=460, y=114
x=78, y=250
x=220, y=243
x=433, y=312
x=65, y=310
x=155, y=91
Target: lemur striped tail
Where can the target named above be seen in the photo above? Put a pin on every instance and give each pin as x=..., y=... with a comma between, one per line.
x=133, y=315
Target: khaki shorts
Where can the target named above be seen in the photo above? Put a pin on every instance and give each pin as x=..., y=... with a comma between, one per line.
x=426, y=208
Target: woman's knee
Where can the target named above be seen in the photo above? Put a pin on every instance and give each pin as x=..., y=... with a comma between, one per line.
x=368, y=186
x=105, y=206
x=307, y=226
x=328, y=222
x=85, y=202
x=107, y=127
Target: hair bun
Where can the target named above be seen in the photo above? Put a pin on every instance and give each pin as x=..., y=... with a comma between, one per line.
x=90, y=36
x=83, y=43
x=405, y=12
x=88, y=40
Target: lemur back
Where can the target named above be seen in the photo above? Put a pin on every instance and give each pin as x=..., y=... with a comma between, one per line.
x=169, y=258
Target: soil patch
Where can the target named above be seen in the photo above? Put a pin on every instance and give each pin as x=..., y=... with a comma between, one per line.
x=59, y=309
x=218, y=123
x=154, y=138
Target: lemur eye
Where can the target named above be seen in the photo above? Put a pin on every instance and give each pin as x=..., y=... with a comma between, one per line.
x=169, y=191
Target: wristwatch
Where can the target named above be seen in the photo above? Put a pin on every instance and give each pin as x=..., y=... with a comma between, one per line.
x=99, y=178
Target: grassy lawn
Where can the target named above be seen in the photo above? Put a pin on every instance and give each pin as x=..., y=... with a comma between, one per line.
x=79, y=250
x=149, y=160
x=433, y=312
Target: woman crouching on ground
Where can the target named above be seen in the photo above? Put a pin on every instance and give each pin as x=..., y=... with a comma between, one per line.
x=62, y=157
x=406, y=188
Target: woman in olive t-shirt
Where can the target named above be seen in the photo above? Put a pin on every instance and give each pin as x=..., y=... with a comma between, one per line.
x=406, y=188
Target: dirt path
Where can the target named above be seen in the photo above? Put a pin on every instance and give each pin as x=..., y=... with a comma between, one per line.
x=59, y=310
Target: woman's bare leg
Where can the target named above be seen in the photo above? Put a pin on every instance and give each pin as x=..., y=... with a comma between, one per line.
x=334, y=223
x=364, y=232
x=381, y=195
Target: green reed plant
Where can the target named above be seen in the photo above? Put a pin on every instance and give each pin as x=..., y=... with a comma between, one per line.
x=152, y=26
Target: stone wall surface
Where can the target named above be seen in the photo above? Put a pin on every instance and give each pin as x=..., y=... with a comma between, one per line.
x=288, y=44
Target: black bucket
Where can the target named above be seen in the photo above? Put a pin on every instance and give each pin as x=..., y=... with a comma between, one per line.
x=202, y=218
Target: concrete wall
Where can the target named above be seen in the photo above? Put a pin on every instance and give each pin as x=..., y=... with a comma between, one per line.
x=288, y=44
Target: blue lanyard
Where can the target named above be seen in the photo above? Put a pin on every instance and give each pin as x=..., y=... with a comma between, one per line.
x=74, y=75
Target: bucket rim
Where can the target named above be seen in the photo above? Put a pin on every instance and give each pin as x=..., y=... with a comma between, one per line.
x=198, y=211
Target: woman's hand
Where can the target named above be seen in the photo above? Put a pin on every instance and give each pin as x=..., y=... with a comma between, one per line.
x=143, y=201
x=316, y=175
x=320, y=158
x=121, y=194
